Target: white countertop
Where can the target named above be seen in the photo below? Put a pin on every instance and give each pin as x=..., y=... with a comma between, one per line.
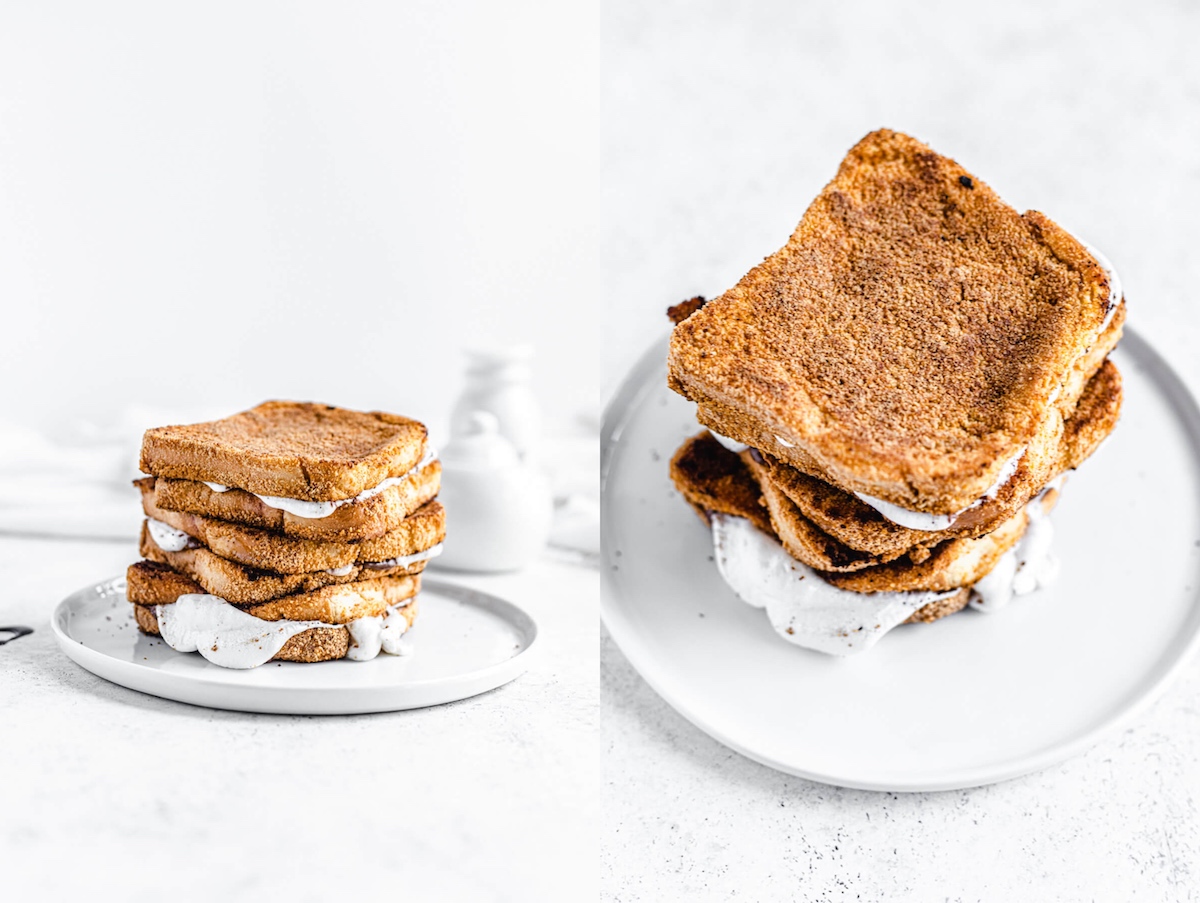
x=492, y=798
x=722, y=122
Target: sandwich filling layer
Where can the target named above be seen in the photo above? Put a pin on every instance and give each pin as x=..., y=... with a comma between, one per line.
x=806, y=610
x=404, y=561
x=401, y=561
x=316, y=510
x=801, y=606
x=229, y=637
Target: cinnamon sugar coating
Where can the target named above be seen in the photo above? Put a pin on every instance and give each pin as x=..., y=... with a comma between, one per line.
x=908, y=338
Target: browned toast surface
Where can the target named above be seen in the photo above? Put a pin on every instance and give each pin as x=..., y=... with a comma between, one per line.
x=290, y=449
x=152, y=583
x=908, y=338
x=281, y=554
x=318, y=644
x=370, y=518
x=951, y=564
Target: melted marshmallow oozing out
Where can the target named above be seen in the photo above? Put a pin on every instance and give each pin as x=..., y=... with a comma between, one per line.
x=318, y=510
x=229, y=637
x=404, y=561
x=801, y=606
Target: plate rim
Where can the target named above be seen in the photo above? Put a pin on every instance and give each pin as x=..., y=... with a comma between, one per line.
x=624, y=635
x=273, y=697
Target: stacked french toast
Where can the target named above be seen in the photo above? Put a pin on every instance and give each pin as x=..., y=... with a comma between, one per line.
x=289, y=532
x=892, y=400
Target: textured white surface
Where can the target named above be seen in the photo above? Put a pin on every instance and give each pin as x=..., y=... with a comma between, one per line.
x=722, y=122
x=491, y=799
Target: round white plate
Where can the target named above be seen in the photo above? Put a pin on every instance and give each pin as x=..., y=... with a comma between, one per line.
x=968, y=700
x=464, y=641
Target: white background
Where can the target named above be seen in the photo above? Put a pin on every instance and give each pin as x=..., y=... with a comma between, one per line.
x=721, y=122
x=204, y=205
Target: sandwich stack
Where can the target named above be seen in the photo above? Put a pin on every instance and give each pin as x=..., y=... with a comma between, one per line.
x=893, y=399
x=292, y=531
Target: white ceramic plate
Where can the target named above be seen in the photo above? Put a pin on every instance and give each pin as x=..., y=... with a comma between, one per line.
x=464, y=642
x=968, y=700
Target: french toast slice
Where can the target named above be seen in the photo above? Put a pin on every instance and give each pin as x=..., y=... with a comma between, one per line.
x=908, y=341
x=296, y=450
x=369, y=518
x=244, y=585
x=713, y=479
x=280, y=554
x=150, y=584
x=858, y=526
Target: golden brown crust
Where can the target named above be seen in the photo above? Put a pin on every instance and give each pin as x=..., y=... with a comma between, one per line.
x=291, y=449
x=244, y=585
x=908, y=338
x=942, y=607
x=341, y=604
x=269, y=551
x=370, y=518
x=713, y=479
x=151, y=583
x=860, y=527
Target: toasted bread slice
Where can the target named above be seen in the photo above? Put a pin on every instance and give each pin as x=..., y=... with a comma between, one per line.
x=370, y=518
x=728, y=494
x=860, y=527
x=244, y=585
x=317, y=644
x=268, y=551
x=289, y=449
x=910, y=338
x=952, y=564
x=151, y=584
